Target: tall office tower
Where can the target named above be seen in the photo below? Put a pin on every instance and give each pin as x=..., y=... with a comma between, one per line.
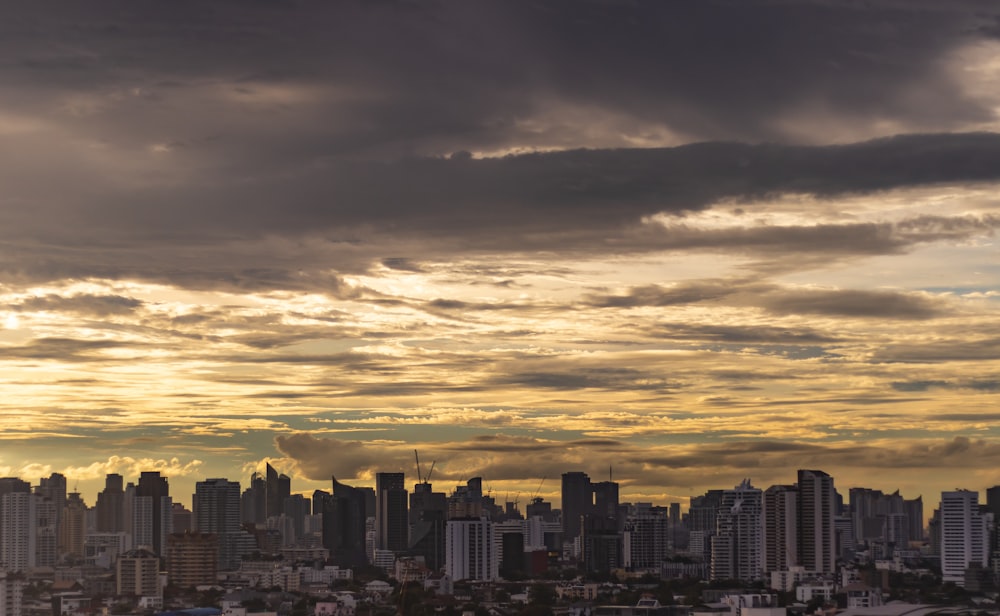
x=865, y=507
x=605, y=499
x=392, y=525
x=780, y=528
x=296, y=507
x=993, y=501
x=278, y=488
x=46, y=533
x=647, y=537
x=428, y=512
x=181, y=520
x=253, y=504
x=74, y=525
x=344, y=525
x=817, y=533
x=469, y=550
x=18, y=530
x=914, y=509
x=704, y=511
x=845, y=537
x=964, y=536
x=600, y=544
x=156, y=510
x=737, y=547
x=110, y=505
x=53, y=487
x=128, y=516
x=11, y=594
x=318, y=499
x=577, y=501
x=216, y=510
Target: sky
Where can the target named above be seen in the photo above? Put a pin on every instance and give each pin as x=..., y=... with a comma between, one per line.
x=678, y=243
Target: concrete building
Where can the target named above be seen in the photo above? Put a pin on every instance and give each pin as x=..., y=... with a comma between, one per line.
x=18, y=530
x=469, y=551
x=192, y=558
x=11, y=594
x=817, y=535
x=780, y=511
x=138, y=574
x=392, y=524
x=964, y=536
x=737, y=547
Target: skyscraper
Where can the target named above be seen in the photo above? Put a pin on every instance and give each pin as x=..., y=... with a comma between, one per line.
x=816, y=510
x=469, y=550
x=216, y=510
x=74, y=526
x=392, y=524
x=780, y=528
x=577, y=501
x=964, y=536
x=737, y=545
x=344, y=525
x=110, y=505
x=153, y=510
x=18, y=531
x=278, y=488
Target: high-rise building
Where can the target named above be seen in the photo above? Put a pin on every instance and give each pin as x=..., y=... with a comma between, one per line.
x=192, y=558
x=780, y=528
x=344, y=521
x=110, y=505
x=152, y=516
x=816, y=511
x=11, y=594
x=253, y=504
x=964, y=535
x=428, y=512
x=914, y=509
x=469, y=550
x=216, y=510
x=53, y=488
x=74, y=525
x=18, y=531
x=278, y=488
x=392, y=523
x=296, y=507
x=737, y=547
x=577, y=501
x=138, y=574
x=647, y=537
x=600, y=544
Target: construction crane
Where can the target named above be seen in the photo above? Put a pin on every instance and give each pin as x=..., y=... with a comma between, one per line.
x=538, y=489
x=420, y=479
x=427, y=479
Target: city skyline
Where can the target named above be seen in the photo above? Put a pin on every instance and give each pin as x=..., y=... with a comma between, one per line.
x=686, y=243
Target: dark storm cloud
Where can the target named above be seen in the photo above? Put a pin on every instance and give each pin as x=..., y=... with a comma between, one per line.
x=779, y=300
x=185, y=134
x=453, y=74
x=90, y=305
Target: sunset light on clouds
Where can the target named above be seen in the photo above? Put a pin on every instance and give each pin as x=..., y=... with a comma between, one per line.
x=692, y=241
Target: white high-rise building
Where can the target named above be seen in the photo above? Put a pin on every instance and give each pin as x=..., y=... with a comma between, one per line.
x=737, y=547
x=11, y=594
x=469, y=550
x=964, y=536
x=19, y=531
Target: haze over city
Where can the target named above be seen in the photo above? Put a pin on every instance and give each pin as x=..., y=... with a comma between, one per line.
x=685, y=243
